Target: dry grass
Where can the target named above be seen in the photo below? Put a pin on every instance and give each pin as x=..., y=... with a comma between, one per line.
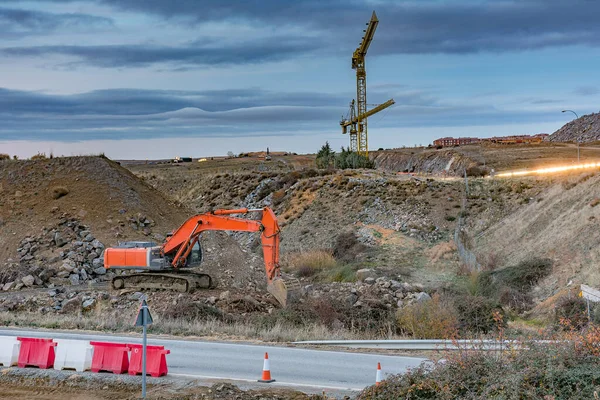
x=310, y=263
x=279, y=332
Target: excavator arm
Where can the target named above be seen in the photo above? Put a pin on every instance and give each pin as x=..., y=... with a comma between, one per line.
x=174, y=254
x=180, y=244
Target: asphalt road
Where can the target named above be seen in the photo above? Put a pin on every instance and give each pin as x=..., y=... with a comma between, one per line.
x=290, y=367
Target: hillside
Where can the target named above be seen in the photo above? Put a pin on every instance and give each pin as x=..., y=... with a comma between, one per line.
x=583, y=129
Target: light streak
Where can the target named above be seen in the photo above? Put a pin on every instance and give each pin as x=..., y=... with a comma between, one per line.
x=549, y=170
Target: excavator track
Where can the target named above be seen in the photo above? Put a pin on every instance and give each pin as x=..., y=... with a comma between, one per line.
x=181, y=282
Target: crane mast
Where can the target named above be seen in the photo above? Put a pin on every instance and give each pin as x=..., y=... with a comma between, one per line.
x=358, y=118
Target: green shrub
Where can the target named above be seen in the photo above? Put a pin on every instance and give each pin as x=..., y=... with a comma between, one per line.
x=476, y=314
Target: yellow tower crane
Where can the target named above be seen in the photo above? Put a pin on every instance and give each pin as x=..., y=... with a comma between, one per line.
x=358, y=118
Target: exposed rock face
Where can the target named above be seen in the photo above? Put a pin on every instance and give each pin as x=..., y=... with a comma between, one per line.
x=430, y=161
x=583, y=129
x=67, y=254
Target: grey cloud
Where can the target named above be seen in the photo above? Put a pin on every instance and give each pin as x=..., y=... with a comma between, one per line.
x=587, y=91
x=125, y=113
x=19, y=22
x=111, y=56
x=408, y=27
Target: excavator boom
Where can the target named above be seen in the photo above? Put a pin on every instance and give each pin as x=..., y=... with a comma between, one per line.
x=180, y=250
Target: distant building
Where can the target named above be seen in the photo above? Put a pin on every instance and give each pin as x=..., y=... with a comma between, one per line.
x=450, y=141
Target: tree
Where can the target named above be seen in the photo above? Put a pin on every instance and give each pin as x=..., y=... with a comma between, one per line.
x=230, y=154
x=325, y=156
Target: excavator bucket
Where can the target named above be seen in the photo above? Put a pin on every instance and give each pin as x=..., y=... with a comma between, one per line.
x=285, y=291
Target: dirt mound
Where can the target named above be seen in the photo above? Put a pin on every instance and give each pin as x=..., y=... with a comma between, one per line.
x=48, y=207
x=583, y=129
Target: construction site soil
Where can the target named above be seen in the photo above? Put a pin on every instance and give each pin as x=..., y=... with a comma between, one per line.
x=364, y=243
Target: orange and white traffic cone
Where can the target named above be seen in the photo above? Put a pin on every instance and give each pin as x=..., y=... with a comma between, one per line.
x=378, y=378
x=266, y=374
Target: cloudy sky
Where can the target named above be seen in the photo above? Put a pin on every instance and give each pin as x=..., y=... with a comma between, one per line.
x=156, y=78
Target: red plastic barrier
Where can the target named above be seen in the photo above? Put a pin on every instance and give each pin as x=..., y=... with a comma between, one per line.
x=111, y=357
x=156, y=362
x=36, y=352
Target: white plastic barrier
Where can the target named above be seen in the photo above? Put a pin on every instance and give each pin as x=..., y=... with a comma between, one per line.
x=73, y=354
x=9, y=350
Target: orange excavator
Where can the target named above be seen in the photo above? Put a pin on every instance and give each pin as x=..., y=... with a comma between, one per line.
x=167, y=267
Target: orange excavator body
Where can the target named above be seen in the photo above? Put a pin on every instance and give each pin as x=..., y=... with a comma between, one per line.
x=177, y=253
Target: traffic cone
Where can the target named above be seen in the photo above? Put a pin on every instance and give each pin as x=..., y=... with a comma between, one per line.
x=266, y=374
x=378, y=376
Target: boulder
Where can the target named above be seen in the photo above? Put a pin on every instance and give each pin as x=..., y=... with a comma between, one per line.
x=71, y=305
x=369, y=281
x=74, y=278
x=365, y=273
x=422, y=297
x=59, y=241
x=7, y=286
x=88, y=304
x=100, y=271
x=28, y=280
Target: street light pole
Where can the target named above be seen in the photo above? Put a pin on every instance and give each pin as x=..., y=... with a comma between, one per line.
x=576, y=116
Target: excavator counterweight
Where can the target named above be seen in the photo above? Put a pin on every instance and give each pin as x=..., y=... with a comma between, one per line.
x=167, y=266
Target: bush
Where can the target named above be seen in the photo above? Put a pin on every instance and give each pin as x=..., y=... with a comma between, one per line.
x=571, y=312
x=434, y=319
x=347, y=247
x=189, y=310
x=339, y=273
x=4, y=156
x=59, y=191
x=309, y=263
x=476, y=171
x=540, y=371
x=511, y=285
x=278, y=196
x=39, y=156
x=476, y=314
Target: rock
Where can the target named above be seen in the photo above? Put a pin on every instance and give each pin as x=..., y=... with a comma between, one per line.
x=351, y=299
x=59, y=241
x=211, y=300
x=98, y=262
x=7, y=286
x=83, y=274
x=28, y=280
x=88, y=304
x=52, y=292
x=422, y=297
x=136, y=296
x=369, y=281
x=399, y=303
x=63, y=274
x=97, y=244
x=407, y=287
x=224, y=295
x=388, y=298
x=89, y=238
x=19, y=285
x=84, y=233
x=72, y=305
x=92, y=256
x=100, y=271
x=365, y=273
x=74, y=278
